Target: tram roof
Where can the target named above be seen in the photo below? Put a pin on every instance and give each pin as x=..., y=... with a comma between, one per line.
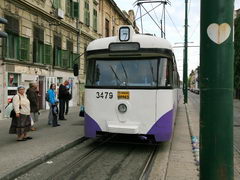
x=145, y=41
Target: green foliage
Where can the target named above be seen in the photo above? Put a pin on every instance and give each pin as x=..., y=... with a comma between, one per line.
x=237, y=54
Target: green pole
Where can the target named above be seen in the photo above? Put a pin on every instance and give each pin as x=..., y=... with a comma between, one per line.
x=216, y=90
x=185, y=65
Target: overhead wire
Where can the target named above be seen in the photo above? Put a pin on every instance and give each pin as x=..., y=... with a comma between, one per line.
x=194, y=29
x=155, y=13
x=174, y=24
x=148, y=11
x=189, y=7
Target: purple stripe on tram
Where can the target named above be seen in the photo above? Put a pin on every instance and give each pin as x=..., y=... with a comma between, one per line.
x=162, y=129
x=90, y=126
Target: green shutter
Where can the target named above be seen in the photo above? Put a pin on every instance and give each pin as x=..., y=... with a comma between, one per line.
x=59, y=57
x=68, y=7
x=16, y=46
x=24, y=49
x=71, y=60
x=65, y=59
x=85, y=16
x=5, y=47
x=94, y=20
x=86, y=13
x=47, y=54
x=88, y=22
x=55, y=3
x=75, y=9
x=40, y=52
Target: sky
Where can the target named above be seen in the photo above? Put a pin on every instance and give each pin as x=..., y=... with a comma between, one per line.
x=175, y=16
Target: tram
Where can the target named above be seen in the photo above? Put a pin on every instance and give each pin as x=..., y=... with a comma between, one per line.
x=132, y=86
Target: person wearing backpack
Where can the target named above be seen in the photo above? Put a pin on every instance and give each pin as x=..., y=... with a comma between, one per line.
x=51, y=98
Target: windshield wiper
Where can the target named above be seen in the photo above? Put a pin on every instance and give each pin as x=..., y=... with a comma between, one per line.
x=115, y=74
x=151, y=67
x=125, y=74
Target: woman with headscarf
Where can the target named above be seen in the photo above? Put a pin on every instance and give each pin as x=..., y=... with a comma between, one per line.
x=21, y=122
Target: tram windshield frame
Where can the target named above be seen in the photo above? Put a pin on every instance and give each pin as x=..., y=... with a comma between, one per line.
x=130, y=73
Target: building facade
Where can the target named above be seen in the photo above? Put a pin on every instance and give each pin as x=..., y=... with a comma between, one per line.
x=45, y=39
x=194, y=80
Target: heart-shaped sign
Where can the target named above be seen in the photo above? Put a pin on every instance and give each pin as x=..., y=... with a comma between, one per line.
x=218, y=33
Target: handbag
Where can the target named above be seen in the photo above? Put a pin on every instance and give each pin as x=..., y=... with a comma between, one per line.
x=13, y=113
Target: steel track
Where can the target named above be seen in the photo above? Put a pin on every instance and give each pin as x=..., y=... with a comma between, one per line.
x=148, y=165
x=76, y=162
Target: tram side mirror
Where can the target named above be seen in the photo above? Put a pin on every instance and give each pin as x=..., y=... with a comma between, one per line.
x=75, y=69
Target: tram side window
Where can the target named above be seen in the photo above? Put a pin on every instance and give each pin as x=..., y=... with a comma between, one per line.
x=165, y=73
x=90, y=72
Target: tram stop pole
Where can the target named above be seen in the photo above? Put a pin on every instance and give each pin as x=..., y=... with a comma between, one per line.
x=185, y=55
x=216, y=90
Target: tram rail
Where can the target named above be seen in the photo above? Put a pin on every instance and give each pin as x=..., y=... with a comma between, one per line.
x=77, y=161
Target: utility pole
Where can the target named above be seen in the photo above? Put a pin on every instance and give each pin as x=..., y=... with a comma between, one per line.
x=216, y=90
x=185, y=63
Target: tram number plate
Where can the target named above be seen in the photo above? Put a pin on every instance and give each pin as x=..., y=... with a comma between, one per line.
x=104, y=95
x=123, y=94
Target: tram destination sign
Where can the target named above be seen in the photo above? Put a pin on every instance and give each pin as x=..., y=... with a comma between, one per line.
x=116, y=47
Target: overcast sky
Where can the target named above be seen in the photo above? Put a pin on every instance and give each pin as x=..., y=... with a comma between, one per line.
x=174, y=26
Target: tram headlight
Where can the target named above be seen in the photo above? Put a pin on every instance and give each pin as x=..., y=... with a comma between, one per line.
x=122, y=108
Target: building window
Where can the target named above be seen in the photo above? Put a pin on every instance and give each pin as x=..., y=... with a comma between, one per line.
x=17, y=47
x=86, y=13
x=38, y=45
x=95, y=20
x=12, y=43
x=12, y=46
x=106, y=28
x=57, y=4
x=72, y=9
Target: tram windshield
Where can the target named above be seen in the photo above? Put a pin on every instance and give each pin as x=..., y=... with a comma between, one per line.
x=129, y=73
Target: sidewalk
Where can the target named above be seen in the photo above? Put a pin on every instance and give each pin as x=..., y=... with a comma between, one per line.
x=46, y=140
x=176, y=161
x=182, y=162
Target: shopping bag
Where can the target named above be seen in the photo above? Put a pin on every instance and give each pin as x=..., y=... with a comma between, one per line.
x=32, y=122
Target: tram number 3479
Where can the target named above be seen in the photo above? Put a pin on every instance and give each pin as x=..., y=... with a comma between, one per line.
x=104, y=95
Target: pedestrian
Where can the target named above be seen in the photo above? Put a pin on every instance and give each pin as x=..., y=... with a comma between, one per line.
x=21, y=122
x=69, y=97
x=32, y=95
x=62, y=96
x=52, y=101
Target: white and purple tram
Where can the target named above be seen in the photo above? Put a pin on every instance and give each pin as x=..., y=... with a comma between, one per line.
x=131, y=86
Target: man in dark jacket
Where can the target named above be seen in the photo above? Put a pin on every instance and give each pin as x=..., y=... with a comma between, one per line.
x=32, y=95
x=63, y=97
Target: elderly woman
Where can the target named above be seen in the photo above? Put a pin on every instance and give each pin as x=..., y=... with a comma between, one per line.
x=21, y=122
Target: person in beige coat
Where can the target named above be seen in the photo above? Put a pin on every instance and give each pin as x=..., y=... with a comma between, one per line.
x=21, y=122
